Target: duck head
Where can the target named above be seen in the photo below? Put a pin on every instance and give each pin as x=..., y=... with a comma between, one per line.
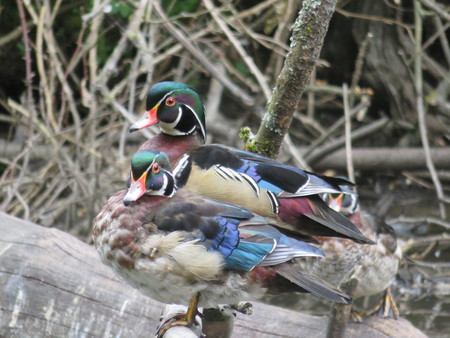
x=150, y=175
x=177, y=108
x=346, y=204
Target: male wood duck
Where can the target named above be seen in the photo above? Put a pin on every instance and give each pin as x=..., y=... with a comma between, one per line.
x=373, y=266
x=260, y=184
x=178, y=247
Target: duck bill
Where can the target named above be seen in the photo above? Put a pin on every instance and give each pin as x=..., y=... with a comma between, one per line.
x=136, y=190
x=148, y=119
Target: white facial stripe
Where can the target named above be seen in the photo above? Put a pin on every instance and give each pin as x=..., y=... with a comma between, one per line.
x=169, y=128
x=161, y=191
x=166, y=96
x=190, y=131
x=153, y=192
x=151, y=164
x=180, y=113
x=164, y=186
x=166, y=180
x=203, y=132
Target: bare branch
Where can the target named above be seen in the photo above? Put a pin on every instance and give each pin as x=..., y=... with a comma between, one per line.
x=421, y=108
x=307, y=38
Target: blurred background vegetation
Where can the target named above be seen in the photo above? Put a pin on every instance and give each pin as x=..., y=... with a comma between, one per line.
x=75, y=74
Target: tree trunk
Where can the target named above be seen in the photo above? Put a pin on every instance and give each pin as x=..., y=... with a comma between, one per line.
x=308, y=34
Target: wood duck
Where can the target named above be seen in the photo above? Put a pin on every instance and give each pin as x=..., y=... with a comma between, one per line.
x=260, y=184
x=373, y=266
x=179, y=111
x=179, y=247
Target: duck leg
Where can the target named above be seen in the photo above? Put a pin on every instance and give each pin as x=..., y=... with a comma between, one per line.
x=386, y=307
x=180, y=319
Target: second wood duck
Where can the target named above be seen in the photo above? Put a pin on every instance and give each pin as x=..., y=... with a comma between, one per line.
x=255, y=182
x=178, y=247
x=373, y=266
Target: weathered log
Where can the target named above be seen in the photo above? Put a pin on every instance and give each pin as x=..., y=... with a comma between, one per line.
x=52, y=284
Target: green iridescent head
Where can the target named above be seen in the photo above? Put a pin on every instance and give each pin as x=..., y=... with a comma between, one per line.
x=177, y=108
x=151, y=174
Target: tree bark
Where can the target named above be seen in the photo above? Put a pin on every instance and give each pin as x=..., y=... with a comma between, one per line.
x=308, y=33
x=54, y=285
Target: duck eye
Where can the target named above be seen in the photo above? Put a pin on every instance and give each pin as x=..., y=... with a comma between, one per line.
x=170, y=101
x=156, y=168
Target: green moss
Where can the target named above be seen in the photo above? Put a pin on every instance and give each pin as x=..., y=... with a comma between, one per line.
x=265, y=148
x=245, y=134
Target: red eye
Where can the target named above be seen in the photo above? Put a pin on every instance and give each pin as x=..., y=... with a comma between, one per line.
x=156, y=168
x=170, y=101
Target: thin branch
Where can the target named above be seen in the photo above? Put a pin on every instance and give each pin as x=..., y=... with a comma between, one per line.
x=29, y=106
x=418, y=82
x=48, y=97
x=311, y=96
x=339, y=142
x=348, y=135
x=209, y=66
x=13, y=35
x=298, y=158
x=443, y=38
x=247, y=59
x=28, y=70
x=384, y=20
x=438, y=8
x=96, y=11
x=364, y=104
x=428, y=220
x=359, y=66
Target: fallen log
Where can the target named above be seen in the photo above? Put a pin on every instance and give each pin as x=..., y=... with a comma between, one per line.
x=383, y=159
x=54, y=285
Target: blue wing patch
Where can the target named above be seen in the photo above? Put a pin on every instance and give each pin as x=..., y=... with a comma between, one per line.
x=250, y=252
x=239, y=253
